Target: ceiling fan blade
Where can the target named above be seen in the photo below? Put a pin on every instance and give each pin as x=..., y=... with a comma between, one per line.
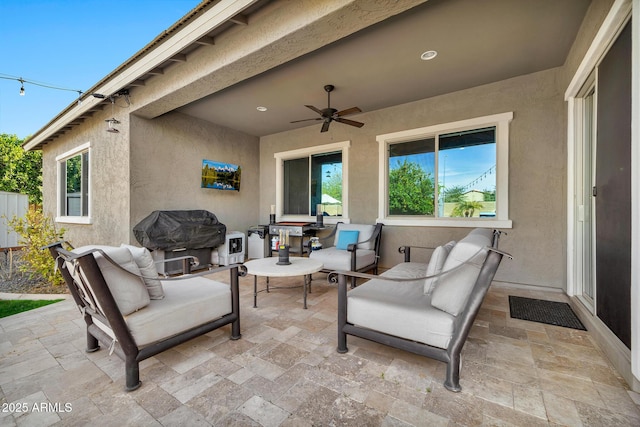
x=306, y=120
x=349, y=122
x=351, y=110
x=325, y=126
x=314, y=109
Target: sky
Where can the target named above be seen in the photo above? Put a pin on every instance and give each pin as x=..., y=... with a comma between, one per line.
x=70, y=44
x=472, y=167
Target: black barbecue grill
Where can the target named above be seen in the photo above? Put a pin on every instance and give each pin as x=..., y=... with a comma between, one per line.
x=174, y=234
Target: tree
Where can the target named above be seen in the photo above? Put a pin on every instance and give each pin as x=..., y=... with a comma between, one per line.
x=454, y=194
x=333, y=186
x=411, y=190
x=20, y=170
x=489, y=195
x=466, y=208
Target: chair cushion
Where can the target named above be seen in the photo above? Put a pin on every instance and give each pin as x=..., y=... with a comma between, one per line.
x=407, y=270
x=435, y=265
x=365, y=232
x=188, y=303
x=336, y=259
x=346, y=238
x=148, y=269
x=452, y=290
x=128, y=290
x=399, y=309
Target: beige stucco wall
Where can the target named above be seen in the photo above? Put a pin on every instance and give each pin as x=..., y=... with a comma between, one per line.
x=591, y=23
x=109, y=165
x=175, y=144
x=537, y=160
x=167, y=153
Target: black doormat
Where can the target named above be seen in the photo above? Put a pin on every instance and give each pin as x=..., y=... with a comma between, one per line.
x=549, y=312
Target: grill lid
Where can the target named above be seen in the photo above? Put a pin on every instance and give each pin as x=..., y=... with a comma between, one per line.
x=190, y=229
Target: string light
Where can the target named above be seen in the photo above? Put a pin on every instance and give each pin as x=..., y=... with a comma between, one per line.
x=111, y=123
x=45, y=85
x=480, y=178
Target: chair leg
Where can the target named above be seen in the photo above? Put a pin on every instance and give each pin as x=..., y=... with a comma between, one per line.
x=342, y=314
x=92, y=343
x=342, y=343
x=235, y=330
x=452, y=381
x=235, y=302
x=132, y=374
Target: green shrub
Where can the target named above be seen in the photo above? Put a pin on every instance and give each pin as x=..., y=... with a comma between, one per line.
x=37, y=230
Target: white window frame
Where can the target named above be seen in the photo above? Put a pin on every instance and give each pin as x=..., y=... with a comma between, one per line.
x=501, y=220
x=306, y=152
x=86, y=147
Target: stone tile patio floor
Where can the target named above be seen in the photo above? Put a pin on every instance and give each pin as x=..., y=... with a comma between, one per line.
x=285, y=372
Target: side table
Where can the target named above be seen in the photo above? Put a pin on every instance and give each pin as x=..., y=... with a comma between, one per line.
x=267, y=267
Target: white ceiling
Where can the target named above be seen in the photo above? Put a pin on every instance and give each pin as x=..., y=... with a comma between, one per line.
x=478, y=42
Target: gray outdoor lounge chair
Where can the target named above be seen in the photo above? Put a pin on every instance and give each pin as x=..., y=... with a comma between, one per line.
x=137, y=314
x=360, y=251
x=426, y=309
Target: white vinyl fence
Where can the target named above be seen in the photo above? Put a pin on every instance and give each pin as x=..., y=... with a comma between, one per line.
x=11, y=204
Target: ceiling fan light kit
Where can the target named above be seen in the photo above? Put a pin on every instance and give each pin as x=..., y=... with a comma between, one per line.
x=327, y=115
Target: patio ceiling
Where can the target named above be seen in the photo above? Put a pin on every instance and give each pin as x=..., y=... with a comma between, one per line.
x=478, y=42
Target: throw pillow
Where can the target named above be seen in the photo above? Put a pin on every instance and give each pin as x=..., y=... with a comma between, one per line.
x=438, y=257
x=148, y=270
x=128, y=290
x=453, y=288
x=347, y=237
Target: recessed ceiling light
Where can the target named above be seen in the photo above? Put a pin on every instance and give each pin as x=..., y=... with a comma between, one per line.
x=261, y=108
x=430, y=54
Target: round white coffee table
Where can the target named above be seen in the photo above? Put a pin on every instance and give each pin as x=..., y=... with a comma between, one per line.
x=268, y=267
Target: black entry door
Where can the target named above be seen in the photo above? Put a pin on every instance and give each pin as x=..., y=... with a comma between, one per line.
x=613, y=189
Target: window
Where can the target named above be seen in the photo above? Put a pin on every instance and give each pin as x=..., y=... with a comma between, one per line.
x=447, y=175
x=311, y=181
x=73, y=186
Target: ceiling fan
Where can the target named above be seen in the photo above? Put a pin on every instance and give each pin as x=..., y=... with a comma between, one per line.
x=331, y=114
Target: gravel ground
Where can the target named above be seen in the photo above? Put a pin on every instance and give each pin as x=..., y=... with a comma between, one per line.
x=14, y=281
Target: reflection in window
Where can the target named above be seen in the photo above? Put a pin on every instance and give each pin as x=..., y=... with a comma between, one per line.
x=74, y=173
x=412, y=178
x=311, y=183
x=468, y=173
x=326, y=184
x=445, y=175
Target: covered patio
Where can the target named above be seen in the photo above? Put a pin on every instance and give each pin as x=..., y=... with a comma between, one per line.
x=285, y=371
x=231, y=81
